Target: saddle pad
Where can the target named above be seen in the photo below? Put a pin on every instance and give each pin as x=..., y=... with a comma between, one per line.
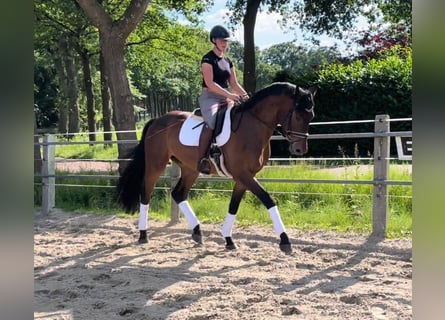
x=192, y=126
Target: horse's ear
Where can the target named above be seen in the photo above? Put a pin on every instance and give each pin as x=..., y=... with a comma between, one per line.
x=299, y=91
x=313, y=89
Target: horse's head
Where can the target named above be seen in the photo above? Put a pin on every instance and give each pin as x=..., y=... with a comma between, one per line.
x=296, y=125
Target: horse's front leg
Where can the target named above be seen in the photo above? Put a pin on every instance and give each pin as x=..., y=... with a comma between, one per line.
x=226, y=230
x=254, y=186
x=180, y=195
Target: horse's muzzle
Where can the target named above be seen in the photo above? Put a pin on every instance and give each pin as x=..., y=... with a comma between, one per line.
x=298, y=148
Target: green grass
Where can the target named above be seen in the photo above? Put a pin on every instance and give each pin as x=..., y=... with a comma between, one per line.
x=303, y=206
x=86, y=151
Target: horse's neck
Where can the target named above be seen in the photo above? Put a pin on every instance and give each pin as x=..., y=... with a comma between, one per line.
x=258, y=122
x=267, y=113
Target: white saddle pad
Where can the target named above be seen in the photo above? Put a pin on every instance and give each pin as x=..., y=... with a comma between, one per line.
x=191, y=129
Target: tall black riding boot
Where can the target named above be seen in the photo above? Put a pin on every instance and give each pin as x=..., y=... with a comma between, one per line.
x=204, y=143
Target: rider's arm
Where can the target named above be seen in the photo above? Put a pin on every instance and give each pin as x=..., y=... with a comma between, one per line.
x=236, y=87
x=207, y=73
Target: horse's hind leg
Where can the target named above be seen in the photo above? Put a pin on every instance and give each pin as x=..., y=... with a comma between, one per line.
x=180, y=195
x=152, y=174
x=237, y=194
x=143, y=215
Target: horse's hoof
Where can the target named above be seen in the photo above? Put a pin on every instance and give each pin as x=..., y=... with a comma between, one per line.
x=197, y=238
x=142, y=237
x=285, y=245
x=231, y=246
x=197, y=234
x=286, y=248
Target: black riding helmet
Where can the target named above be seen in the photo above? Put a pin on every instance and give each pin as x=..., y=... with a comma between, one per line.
x=219, y=32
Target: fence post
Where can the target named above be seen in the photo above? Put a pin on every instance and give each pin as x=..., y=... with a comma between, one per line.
x=48, y=169
x=381, y=166
x=175, y=173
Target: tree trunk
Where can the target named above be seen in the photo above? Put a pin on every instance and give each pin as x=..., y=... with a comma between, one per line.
x=106, y=108
x=37, y=151
x=112, y=36
x=62, y=101
x=73, y=106
x=249, y=45
x=123, y=113
x=88, y=84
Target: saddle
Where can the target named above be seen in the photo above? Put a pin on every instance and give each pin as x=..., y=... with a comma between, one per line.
x=219, y=119
x=215, y=153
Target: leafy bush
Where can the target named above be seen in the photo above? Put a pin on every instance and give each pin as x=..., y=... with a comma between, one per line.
x=361, y=90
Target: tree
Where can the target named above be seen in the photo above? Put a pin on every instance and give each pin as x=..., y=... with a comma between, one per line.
x=298, y=64
x=397, y=11
x=315, y=16
x=37, y=152
x=113, y=35
x=164, y=67
x=45, y=92
x=63, y=35
x=375, y=41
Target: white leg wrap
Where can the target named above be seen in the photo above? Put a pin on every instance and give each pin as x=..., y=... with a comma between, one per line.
x=276, y=219
x=190, y=216
x=226, y=229
x=143, y=217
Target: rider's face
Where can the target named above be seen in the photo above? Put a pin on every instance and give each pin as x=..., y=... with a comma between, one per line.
x=222, y=44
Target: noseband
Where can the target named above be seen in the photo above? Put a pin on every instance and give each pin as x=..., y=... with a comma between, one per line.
x=293, y=136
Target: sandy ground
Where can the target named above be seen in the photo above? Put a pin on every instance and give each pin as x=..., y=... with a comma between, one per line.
x=90, y=267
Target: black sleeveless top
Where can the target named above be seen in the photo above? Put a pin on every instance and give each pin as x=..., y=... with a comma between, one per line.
x=221, y=68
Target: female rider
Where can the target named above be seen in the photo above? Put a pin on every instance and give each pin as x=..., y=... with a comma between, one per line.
x=218, y=75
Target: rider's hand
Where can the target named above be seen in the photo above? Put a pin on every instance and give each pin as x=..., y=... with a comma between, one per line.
x=235, y=98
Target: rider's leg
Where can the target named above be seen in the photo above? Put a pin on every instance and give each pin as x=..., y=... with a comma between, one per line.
x=203, y=153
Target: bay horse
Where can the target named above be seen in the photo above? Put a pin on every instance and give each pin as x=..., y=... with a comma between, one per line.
x=245, y=153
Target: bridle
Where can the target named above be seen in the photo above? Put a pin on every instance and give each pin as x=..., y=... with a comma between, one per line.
x=290, y=135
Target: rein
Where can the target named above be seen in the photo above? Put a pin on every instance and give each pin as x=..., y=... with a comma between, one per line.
x=260, y=120
x=290, y=135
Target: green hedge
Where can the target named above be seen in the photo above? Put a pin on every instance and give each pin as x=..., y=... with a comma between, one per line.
x=360, y=90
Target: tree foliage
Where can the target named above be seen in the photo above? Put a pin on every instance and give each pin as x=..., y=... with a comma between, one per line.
x=375, y=41
x=334, y=18
x=167, y=66
x=62, y=36
x=397, y=11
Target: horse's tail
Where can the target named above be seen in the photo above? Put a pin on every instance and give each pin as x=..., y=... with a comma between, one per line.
x=131, y=180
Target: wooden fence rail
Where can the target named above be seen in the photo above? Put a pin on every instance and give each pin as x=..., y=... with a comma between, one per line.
x=380, y=180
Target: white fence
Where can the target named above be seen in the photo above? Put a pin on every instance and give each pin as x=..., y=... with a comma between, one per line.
x=381, y=156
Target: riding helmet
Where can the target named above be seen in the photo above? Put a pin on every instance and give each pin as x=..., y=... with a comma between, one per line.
x=219, y=32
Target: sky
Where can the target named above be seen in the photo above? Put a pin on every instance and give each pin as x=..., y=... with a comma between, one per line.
x=267, y=30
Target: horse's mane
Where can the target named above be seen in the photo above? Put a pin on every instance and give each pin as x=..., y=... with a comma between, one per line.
x=275, y=88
